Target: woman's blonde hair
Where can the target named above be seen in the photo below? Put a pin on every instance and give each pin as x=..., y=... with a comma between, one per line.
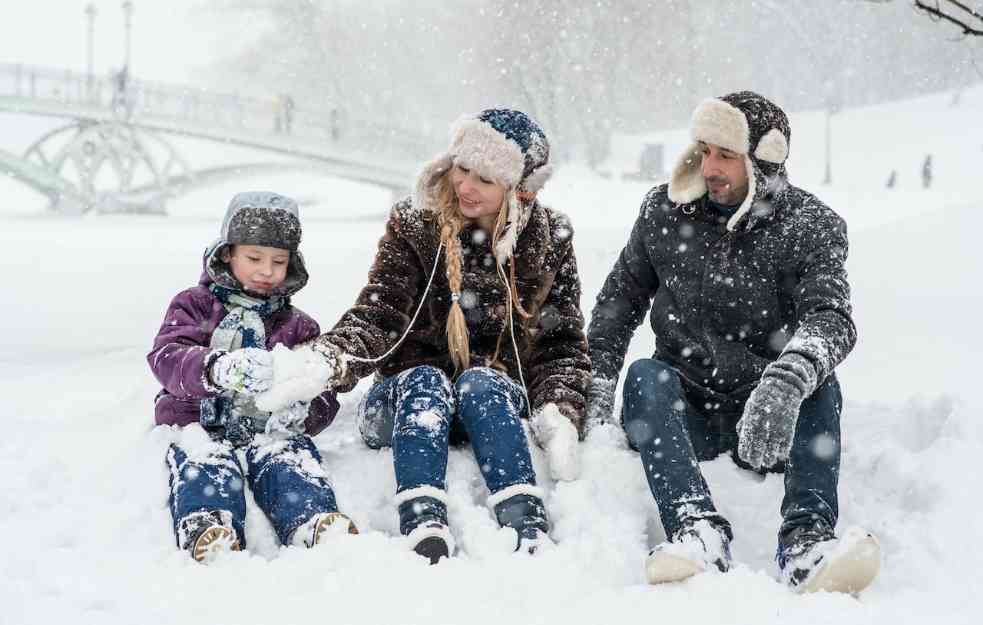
x=450, y=222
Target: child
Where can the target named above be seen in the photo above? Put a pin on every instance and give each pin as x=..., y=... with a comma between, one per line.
x=211, y=357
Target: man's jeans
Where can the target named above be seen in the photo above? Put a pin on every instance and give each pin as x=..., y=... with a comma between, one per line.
x=672, y=434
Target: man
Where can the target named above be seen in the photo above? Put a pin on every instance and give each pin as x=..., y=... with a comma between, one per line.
x=751, y=313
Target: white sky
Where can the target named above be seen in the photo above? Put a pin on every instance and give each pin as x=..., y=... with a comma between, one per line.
x=171, y=39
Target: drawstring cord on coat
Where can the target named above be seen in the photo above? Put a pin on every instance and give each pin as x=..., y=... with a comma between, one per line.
x=423, y=299
x=409, y=327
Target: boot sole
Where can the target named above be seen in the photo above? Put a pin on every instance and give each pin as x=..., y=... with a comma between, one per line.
x=212, y=541
x=850, y=571
x=663, y=568
x=328, y=520
x=434, y=548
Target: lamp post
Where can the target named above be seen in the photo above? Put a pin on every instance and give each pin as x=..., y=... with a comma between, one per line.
x=832, y=102
x=127, y=23
x=828, y=177
x=90, y=15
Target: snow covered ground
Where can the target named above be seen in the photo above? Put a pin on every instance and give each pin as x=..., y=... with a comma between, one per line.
x=84, y=525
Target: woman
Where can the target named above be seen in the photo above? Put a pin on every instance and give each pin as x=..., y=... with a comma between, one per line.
x=471, y=319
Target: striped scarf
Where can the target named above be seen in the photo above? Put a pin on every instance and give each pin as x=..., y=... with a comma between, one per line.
x=241, y=327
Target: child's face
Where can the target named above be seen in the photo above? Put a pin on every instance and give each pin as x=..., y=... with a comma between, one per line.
x=259, y=268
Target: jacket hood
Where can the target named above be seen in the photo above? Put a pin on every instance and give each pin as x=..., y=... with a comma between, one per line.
x=258, y=218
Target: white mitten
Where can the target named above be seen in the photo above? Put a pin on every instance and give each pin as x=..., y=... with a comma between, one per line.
x=298, y=375
x=248, y=371
x=558, y=437
x=288, y=421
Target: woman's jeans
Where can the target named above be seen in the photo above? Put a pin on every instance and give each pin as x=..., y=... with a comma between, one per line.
x=419, y=412
x=414, y=412
x=674, y=430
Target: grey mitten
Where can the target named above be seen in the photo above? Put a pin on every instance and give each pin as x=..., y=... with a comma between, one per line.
x=767, y=427
x=248, y=371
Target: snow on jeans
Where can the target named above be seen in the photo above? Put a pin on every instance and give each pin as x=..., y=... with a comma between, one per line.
x=286, y=477
x=673, y=435
x=419, y=411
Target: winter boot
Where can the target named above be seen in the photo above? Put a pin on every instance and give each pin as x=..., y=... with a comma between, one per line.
x=321, y=527
x=521, y=508
x=698, y=546
x=206, y=534
x=813, y=559
x=423, y=520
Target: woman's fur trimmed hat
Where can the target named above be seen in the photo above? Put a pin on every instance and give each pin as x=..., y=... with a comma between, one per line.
x=503, y=145
x=745, y=123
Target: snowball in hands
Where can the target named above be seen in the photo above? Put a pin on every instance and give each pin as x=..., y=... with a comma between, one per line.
x=767, y=427
x=248, y=371
x=299, y=375
x=557, y=435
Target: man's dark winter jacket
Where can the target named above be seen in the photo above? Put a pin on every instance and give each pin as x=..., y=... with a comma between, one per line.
x=724, y=303
x=552, y=345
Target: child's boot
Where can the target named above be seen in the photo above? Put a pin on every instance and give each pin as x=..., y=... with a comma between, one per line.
x=206, y=534
x=321, y=528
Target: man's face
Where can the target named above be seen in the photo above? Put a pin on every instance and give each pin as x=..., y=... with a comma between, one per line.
x=724, y=173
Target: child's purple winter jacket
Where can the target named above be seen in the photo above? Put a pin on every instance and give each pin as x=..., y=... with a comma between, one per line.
x=181, y=355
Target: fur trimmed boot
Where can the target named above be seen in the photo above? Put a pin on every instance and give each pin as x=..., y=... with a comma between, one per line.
x=521, y=508
x=423, y=520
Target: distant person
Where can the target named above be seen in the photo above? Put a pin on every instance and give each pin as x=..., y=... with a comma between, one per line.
x=287, y=110
x=211, y=356
x=892, y=179
x=334, y=122
x=470, y=320
x=927, y=172
x=121, y=104
x=750, y=306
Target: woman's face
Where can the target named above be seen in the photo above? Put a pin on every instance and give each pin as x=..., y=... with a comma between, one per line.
x=478, y=198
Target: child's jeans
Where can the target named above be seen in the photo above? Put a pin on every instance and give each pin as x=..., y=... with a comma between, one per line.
x=286, y=477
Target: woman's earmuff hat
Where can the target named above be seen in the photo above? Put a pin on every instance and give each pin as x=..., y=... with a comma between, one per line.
x=502, y=145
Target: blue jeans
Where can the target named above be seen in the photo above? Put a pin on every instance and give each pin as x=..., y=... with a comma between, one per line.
x=417, y=411
x=674, y=429
x=286, y=478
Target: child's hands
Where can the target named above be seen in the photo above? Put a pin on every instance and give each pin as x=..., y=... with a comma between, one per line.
x=289, y=420
x=248, y=371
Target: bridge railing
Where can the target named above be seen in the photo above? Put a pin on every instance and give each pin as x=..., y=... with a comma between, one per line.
x=192, y=106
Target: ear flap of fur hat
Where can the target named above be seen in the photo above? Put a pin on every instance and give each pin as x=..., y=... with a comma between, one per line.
x=425, y=193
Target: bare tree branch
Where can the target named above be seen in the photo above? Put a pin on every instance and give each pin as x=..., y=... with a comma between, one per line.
x=967, y=23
